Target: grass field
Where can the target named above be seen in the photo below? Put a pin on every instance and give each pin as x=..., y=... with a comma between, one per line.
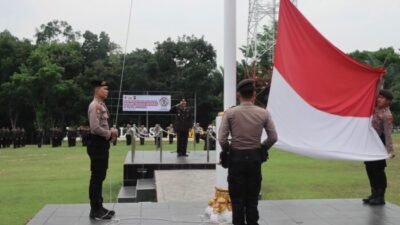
x=32, y=177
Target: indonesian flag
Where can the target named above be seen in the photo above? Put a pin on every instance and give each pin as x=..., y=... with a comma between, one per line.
x=321, y=100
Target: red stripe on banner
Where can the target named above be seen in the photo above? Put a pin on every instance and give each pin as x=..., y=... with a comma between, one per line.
x=320, y=73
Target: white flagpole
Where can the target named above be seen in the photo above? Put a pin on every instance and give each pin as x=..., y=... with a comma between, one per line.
x=220, y=209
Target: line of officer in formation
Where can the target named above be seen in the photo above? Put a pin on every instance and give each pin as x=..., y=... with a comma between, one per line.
x=57, y=135
x=16, y=137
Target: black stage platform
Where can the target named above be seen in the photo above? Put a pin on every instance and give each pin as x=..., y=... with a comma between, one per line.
x=139, y=184
x=286, y=212
x=145, y=162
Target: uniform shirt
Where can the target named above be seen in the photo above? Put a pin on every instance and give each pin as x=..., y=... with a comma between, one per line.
x=245, y=124
x=98, y=118
x=197, y=129
x=183, y=118
x=170, y=130
x=129, y=131
x=382, y=122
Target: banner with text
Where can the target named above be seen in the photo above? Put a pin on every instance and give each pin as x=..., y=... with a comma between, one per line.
x=143, y=103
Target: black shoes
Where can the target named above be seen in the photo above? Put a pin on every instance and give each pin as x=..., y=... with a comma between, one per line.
x=369, y=198
x=377, y=197
x=377, y=201
x=100, y=214
x=110, y=212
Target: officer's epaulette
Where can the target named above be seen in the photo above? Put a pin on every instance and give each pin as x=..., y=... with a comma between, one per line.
x=98, y=106
x=389, y=117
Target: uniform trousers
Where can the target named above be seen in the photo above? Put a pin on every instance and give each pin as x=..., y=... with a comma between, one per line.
x=128, y=139
x=244, y=180
x=376, y=172
x=182, y=141
x=98, y=151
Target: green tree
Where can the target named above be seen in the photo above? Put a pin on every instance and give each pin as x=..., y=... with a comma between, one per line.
x=390, y=60
x=13, y=52
x=56, y=31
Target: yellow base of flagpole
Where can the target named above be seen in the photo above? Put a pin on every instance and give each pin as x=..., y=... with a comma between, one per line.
x=221, y=202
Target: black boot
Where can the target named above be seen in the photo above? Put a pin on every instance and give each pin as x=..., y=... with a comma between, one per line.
x=380, y=197
x=110, y=212
x=369, y=198
x=99, y=214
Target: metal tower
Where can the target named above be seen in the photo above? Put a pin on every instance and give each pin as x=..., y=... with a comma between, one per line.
x=261, y=13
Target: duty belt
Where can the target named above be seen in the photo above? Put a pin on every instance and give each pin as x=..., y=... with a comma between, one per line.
x=245, y=155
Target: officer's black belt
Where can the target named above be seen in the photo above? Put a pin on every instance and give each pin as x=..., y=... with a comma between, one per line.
x=95, y=137
x=245, y=154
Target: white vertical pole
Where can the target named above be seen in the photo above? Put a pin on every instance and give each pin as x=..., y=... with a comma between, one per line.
x=229, y=54
x=229, y=75
x=229, y=101
x=222, y=174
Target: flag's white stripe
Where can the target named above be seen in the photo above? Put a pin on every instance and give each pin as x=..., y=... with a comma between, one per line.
x=306, y=130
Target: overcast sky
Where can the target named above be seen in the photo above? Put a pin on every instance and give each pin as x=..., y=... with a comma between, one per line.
x=348, y=24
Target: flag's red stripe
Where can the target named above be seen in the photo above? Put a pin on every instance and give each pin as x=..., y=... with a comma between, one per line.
x=320, y=73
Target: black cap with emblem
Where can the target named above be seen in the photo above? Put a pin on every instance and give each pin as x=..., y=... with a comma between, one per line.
x=246, y=88
x=98, y=83
x=245, y=84
x=387, y=94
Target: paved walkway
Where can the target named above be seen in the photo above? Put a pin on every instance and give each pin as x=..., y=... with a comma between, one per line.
x=185, y=185
x=288, y=212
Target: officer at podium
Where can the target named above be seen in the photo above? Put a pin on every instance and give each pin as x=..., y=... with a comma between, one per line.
x=182, y=125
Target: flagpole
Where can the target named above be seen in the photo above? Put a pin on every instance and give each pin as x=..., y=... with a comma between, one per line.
x=220, y=209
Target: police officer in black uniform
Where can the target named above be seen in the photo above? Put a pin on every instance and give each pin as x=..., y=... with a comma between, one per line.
x=7, y=137
x=2, y=134
x=23, y=137
x=245, y=124
x=98, y=149
x=39, y=137
x=182, y=125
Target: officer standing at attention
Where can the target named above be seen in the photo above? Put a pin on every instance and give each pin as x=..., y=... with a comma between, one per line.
x=182, y=125
x=39, y=137
x=128, y=134
x=2, y=134
x=170, y=130
x=197, y=132
x=382, y=122
x=142, y=133
x=7, y=137
x=98, y=146
x=245, y=124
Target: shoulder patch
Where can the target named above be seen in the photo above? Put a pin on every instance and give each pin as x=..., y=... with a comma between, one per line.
x=389, y=118
x=98, y=107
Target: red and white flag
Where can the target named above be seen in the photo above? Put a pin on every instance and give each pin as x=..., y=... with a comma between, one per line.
x=321, y=100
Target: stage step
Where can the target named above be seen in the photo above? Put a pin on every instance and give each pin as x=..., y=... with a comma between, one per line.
x=146, y=190
x=127, y=194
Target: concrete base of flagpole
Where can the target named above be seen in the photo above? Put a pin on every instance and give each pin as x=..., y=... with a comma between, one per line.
x=219, y=208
